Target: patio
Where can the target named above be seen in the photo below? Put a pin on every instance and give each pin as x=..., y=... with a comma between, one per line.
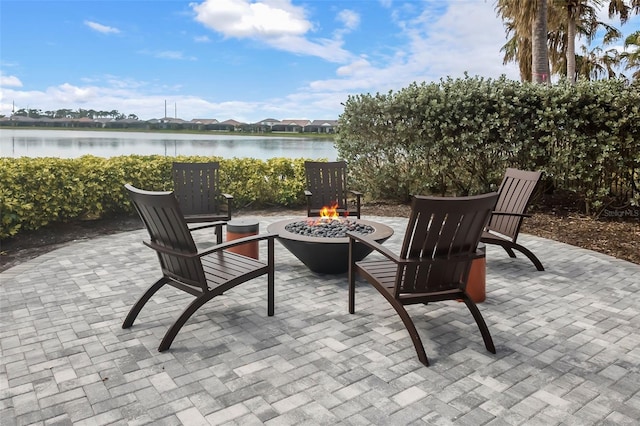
x=567, y=340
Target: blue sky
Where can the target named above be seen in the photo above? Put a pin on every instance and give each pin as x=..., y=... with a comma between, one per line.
x=238, y=59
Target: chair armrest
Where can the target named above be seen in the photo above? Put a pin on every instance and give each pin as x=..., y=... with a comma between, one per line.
x=373, y=244
x=239, y=241
x=218, y=247
x=356, y=193
x=209, y=225
x=510, y=214
x=227, y=196
x=307, y=193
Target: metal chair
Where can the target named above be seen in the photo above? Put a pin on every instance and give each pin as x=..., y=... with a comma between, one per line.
x=516, y=191
x=203, y=274
x=327, y=186
x=439, y=245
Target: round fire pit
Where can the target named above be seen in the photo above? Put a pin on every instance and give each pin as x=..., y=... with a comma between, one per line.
x=321, y=252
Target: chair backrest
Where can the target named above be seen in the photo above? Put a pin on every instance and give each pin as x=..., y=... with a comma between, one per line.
x=327, y=182
x=516, y=191
x=446, y=230
x=161, y=215
x=197, y=187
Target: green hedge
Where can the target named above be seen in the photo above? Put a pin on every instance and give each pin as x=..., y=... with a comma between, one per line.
x=458, y=136
x=37, y=191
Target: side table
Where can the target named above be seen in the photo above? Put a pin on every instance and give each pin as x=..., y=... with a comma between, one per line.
x=245, y=227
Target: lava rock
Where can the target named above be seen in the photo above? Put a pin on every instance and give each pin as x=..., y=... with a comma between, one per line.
x=327, y=228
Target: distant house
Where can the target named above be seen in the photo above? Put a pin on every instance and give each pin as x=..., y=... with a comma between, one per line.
x=203, y=123
x=126, y=123
x=322, y=126
x=294, y=126
x=229, y=126
x=265, y=125
x=102, y=121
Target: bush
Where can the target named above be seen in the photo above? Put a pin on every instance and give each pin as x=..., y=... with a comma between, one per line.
x=37, y=191
x=456, y=137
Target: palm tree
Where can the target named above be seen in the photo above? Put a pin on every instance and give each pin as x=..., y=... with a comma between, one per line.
x=539, y=52
x=580, y=11
x=632, y=57
x=597, y=63
x=562, y=39
x=518, y=50
x=527, y=20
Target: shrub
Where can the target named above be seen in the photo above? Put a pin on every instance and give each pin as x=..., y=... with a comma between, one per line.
x=456, y=137
x=37, y=191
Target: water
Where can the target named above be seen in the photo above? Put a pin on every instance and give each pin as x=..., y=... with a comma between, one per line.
x=72, y=144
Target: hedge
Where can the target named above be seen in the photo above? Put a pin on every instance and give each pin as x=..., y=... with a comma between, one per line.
x=37, y=191
x=456, y=137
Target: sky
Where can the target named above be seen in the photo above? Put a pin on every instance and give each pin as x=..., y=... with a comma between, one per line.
x=246, y=60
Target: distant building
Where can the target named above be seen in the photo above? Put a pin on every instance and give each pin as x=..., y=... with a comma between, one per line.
x=295, y=126
x=171, y=123
x=322, y=126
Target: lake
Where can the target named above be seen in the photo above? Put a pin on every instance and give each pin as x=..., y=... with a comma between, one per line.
x=76, y=143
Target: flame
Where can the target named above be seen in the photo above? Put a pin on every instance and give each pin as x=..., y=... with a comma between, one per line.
x=329, y=213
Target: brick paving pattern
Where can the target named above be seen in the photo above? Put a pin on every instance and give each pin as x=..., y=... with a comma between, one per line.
x=567, y=340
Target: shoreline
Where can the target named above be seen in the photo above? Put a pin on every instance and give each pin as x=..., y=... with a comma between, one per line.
x=328, y=137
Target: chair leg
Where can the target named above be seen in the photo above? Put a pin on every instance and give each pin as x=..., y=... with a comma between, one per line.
x=182, y=319
x=509, y=249
x=411, y=328
x=509, y=252
x=532, y=257
x=352, y=291
x=137, y=307
x=484, y=330
x=271, y=278
x=351, y=276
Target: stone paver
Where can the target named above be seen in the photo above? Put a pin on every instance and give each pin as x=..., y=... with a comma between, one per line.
x=568, y=345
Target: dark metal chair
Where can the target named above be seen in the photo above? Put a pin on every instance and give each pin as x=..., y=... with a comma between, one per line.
x=205, y=274
x=516, y=191
x=327, y=186
x=197, y=188
x=433, y=265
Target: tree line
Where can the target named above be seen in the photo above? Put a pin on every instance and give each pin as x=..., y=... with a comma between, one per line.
x=71, y=114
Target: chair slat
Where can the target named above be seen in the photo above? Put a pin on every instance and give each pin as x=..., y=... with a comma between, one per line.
x=197, y=188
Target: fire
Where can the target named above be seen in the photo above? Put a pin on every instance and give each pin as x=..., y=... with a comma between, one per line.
x=329, y=213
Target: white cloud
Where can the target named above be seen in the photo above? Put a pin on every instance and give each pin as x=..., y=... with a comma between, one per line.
x=104, y=29
x=276, y=23
x=242, y=18
x=349, y=18
x=202, y=39
x=174, y=55
x=356, y=67
x=9, y=81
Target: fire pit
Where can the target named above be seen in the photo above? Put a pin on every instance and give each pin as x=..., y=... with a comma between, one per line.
x=322, y=244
